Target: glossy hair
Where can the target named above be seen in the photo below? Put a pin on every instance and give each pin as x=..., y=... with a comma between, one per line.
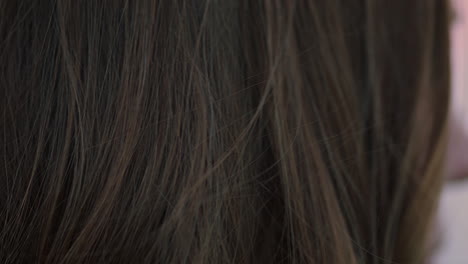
x=247, y=131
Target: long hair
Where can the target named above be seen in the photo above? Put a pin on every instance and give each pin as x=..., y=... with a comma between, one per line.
x=206, y=131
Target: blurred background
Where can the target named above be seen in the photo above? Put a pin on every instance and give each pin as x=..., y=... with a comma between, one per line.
x=453, y=213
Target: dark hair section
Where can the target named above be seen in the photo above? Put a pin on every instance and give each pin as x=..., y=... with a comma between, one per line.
x=206, y=131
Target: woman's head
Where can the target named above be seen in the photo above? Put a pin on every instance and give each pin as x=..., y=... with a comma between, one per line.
x=221, y=131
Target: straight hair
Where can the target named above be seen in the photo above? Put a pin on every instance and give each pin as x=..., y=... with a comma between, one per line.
x=249, y=131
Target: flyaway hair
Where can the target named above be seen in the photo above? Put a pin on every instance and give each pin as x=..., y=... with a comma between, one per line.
x=211, y=131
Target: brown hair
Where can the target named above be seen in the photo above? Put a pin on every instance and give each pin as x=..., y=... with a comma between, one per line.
x=220, y=131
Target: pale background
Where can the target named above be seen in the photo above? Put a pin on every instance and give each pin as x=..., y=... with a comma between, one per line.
x=453, y=213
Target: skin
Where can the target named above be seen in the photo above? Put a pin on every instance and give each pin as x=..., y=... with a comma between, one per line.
x=457, y=163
